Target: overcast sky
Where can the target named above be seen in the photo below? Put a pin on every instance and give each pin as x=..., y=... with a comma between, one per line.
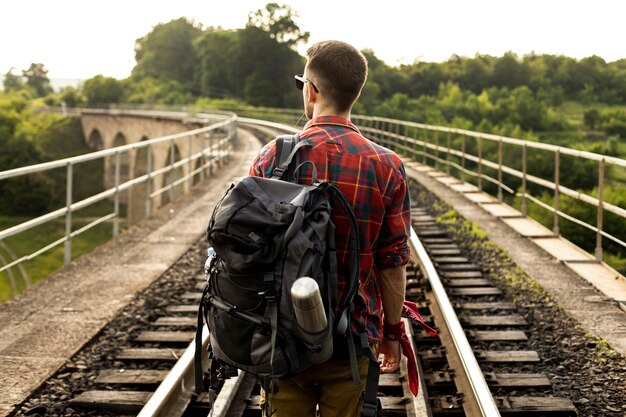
x=78, y=39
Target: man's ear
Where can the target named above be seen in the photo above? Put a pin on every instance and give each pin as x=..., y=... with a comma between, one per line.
x=312, y=95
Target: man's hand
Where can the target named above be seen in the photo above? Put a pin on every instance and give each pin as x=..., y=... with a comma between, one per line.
x=392, y=355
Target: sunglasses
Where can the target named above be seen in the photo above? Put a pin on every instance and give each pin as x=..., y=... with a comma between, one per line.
x=300, y=81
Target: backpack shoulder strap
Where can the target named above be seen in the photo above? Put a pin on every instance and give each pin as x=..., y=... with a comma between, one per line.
x=286, y=150
x=370, y=402
x=353, y=240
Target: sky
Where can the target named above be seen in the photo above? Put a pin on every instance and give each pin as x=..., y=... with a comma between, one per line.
x=78, y=39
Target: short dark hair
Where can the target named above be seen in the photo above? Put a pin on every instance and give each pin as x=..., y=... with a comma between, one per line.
x=340, y=71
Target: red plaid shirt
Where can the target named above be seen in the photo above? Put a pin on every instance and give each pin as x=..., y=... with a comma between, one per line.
x=373, y=179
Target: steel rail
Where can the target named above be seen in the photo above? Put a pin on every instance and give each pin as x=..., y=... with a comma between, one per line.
x=174, y=394
x=480, y=390
x=176, y=391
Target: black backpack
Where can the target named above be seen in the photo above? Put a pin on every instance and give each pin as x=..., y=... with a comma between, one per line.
x=266, y=233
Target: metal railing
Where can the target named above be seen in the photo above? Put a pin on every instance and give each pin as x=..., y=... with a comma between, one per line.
x=412, y=139
x=210, y=150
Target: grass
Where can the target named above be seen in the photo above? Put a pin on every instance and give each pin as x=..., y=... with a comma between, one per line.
x=30, y=241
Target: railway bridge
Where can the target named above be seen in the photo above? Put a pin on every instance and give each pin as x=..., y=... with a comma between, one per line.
x=149, y=154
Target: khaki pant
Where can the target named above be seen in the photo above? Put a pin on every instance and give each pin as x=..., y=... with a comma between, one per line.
x=328, y=385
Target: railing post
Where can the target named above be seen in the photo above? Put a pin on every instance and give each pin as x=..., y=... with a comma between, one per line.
x=480, y=163
x=557, y=184
x=500, y=170
x=383, y=133
x=381, y=129
x=600, y=210
x=67, y=254
x=203, y=142
x=425, y=147
x=394, y=129
x=385, y=129
x=116, y=200
x=463, y=157
x=448, y=152
x=524, y=205
x=398, y=138
x=209, y=141
x=149, y=183
x=416, y=133
x=170, y=191
x=436, y=149
x=189, y=164
x=220, y=151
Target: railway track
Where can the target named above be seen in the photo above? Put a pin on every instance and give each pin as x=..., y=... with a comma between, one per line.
x=480, y=365
x=463, y=374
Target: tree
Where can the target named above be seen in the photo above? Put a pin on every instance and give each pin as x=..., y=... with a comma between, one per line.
x=150, y=90
x=23, y=195
x=592, y=118
x=474, y=74
x=167, y=52
x=37, y=78
x=214, y=76
x=509, y=72
x=103, y=90
x=280, y=22
x=12, y=82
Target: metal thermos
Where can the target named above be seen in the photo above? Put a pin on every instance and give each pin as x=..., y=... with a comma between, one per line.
x=307, y=305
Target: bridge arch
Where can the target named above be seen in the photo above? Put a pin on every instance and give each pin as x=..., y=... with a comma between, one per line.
x=125, y=157
x=173, y=175
x=139, y=193
x=95, y=141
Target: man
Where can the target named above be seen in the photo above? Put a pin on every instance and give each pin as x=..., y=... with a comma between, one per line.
x=373, y=179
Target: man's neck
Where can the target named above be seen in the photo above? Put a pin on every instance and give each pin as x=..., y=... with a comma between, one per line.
x=321, y=112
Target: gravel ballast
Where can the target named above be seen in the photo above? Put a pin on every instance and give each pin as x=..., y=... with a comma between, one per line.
x=80, y=372
x=579, y=366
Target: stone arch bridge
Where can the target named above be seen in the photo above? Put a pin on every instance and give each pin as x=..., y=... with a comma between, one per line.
x=105, y=129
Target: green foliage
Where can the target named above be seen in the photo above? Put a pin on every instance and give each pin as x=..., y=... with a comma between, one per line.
x=583, y=237
x=265, y=70
x=12, y=82
x=279, y=21
x=167, y=52
x=556, y=99
x=216, y=54
x=591, y=118
x=103, y=90
x=18, y=126
x=71, y=96
x=32, y=240
x=37, y=78
x=150, y=90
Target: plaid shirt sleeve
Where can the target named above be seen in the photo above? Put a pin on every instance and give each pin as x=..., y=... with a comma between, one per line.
x=264, y=161
x=393, y=246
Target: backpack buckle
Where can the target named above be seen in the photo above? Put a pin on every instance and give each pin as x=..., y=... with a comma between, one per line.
x=268, y=282
x=368, y=409
x=278, y=172
x=269, y=297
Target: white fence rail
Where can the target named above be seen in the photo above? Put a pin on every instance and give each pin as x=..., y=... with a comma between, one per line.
x=413, y=139
x=211, y=150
